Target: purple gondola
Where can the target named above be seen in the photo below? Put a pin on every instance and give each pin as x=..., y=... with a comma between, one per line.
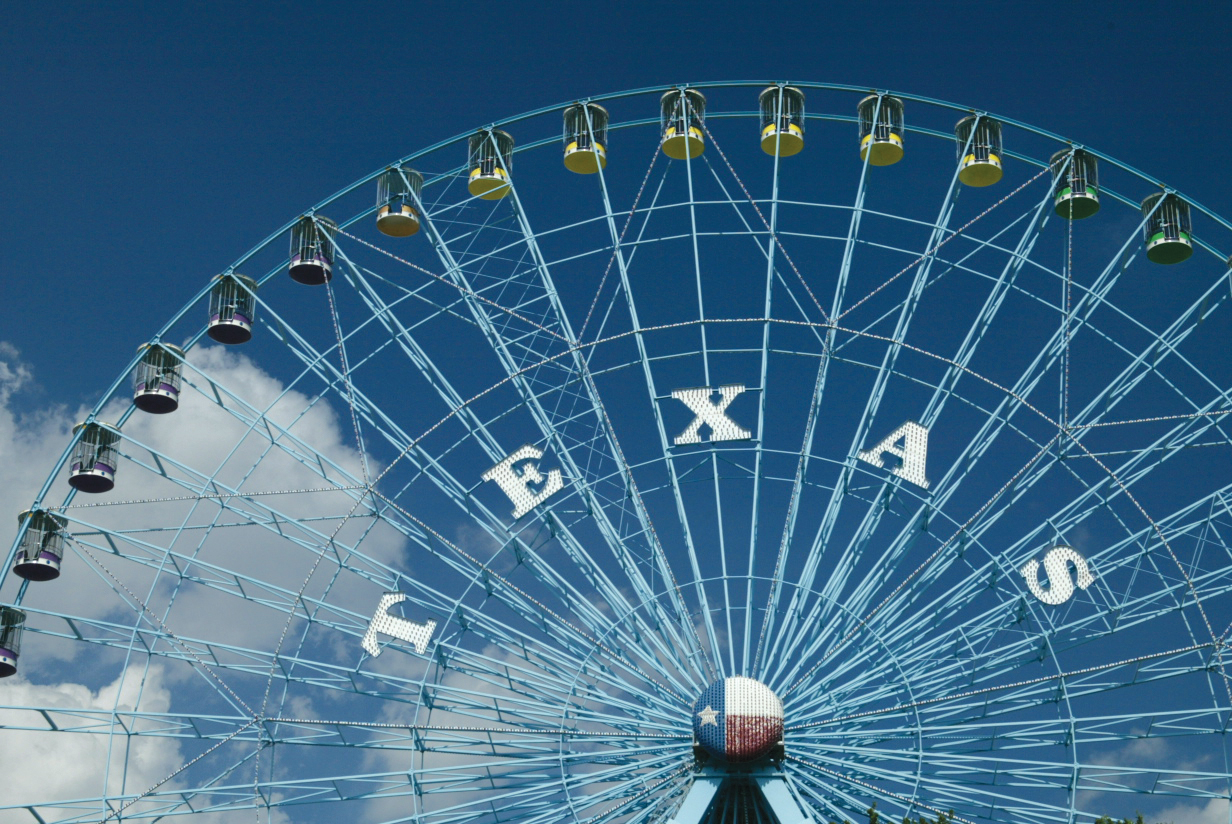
x=42, y=546
x=12, y=622
x=157, y=378
x=312, y=250
x=92, y=467
x=233, y=309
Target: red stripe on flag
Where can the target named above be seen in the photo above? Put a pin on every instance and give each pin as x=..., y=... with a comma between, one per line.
x=751, y=736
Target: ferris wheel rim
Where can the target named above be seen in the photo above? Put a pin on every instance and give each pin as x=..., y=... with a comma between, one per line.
x=763, y=321
x=462, y=137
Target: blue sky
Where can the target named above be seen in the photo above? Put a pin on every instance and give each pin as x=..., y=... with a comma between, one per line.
x=144, y=146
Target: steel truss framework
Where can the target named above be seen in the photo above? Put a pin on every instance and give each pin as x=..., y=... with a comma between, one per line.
x=1072, y=395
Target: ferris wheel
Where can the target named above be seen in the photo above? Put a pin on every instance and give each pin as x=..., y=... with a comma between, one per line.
x=766, y=462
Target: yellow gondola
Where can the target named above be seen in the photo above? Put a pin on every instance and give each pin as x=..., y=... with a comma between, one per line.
x=881, y=129
x=490, y=162
x=782, y=120
x=979, y=150
x=682, y=114
x=585, y=138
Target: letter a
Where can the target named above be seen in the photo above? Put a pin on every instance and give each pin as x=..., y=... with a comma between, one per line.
x=722, y=428
x=913, y=452
x=516, y=484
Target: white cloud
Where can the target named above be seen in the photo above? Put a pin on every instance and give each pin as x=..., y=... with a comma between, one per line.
x=207, y=438
x=38, y=766
x=1172, y=758
x=30, y=443
x=202, y=435
x=14, y=374
x=1214, y=811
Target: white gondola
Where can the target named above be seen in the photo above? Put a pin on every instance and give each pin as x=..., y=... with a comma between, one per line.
x=682, y=116
x=312, y=250
x=157, y=378
x=397, y=190
x=233, y=309
x=92, y=467
x=585, y=138
x=12, y=622
x=491, y=164
x=881, y=129
x=782, y=120
x=1075, y=184
x=979, y=150
x=1168, y=231
x=42, y=546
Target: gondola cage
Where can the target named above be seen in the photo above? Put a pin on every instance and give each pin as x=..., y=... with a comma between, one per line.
x=881, y=129
x=12, y=622
x=42, y=546
x=233, y=309
x=312, y=250
x=683, y=114
x=157, y=378
x=491, y=163
x=1167, y=231
x=1075, y=184
x=782, y=120
x=95, y=457
x=979, y=150
x=397, y=191
x=582, y=155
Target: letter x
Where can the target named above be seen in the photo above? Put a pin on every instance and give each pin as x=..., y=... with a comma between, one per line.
x=722, y=428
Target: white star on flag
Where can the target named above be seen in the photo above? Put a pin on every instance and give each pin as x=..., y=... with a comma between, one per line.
x=708, y=716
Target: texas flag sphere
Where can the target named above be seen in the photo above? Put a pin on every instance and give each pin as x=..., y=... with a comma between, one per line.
x=738, y=719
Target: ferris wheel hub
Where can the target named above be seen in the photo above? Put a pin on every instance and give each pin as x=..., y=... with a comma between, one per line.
x=738, y=720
